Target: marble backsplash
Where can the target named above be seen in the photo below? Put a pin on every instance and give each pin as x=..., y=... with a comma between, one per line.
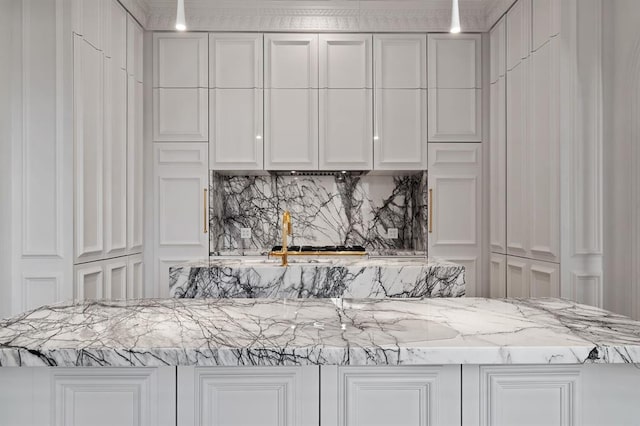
x=325, y=210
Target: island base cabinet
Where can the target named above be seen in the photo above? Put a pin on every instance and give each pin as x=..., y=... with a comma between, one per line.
x=41, y=396
x=398, y=395
x=243, y=396
x=594, y=394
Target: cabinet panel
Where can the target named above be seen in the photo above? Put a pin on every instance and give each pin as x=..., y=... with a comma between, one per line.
x=391, y=396
x=291, y=61
x=545, y=21
x=115, y=278
x=544, y=279
x=118, y=34
x=346, y=129
x=544, y=157
x=455, y=115
x=218, y=396
x=400, y=129
x=180, y=60
x=498, y=167
x=115, y=159
x=517, y=277
x=498, y=50
x=89, y=283
x=454, y=61
x=518, y=32
x=180, y=207
x=89, y=21
x=400, y=61
x=498, y=275
x=518, y=162
x=180, y=115
x=134, y=49
x=455, y=174
x=135, y=165
x=291, y=129
x=89, y=150
x=235, y=117
x=135, y=277
x=345, y=61
x=235, y=61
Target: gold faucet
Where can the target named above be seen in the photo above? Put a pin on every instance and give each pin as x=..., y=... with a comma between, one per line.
x=287, y=229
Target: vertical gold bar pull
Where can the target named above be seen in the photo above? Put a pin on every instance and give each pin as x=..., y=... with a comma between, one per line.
x=430, y=210
x=204, y=210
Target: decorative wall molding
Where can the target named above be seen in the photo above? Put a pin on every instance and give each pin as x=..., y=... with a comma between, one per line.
x=335, y=15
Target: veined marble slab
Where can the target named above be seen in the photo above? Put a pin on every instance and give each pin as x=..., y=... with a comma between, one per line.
x=239, y=332
x=338, y=277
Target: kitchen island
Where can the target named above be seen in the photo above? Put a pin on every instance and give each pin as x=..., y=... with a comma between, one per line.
x=355, y=277
x=322, y=361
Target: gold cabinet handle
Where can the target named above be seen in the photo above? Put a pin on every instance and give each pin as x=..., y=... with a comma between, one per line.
x=430, y=210
x=204, y=210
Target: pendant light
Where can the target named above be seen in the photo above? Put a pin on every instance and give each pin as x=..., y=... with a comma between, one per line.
x=455, y=17
x=181, y=23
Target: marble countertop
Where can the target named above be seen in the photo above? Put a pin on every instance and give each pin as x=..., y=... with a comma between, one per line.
x=209, y=332
x=328, y=261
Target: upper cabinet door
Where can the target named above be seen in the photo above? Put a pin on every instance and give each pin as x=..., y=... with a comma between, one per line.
x=180, y=60
x=455, y=115
x=454, y=61
x=134, y=49
x=400, y=61
x=346, y=140
x=88, y=21
x=345, y=61
x=291, y=61
x=118, y=35
x=400, y=129
x=291, y=129
x=546, y=21
x=518, y=33
x=235, y=61
x=498, y=48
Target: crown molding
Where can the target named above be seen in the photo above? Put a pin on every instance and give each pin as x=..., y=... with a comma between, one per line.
x=139, y=9
x=495, y=10
x=317, y=16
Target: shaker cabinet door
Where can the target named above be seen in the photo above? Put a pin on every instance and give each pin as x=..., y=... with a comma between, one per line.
x=400, y=61
x=345, y=61
x=291, y=61
x=291, y=129
x=235, y=61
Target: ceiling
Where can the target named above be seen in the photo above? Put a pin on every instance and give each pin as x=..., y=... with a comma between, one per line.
x=318, y=15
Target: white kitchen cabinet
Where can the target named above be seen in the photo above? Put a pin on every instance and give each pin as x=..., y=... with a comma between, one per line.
x=498, y=167
x=180, y=115
x=88, y=21
x=180, y=60
x=89, y=281
x=518, y=161
x=345, y=61
x=532, y=278
x=545, y=21
x=115, y=159
x=135, y=277
x=455, y=115
x=116, y=33
x=454, y=61
x=291, y=129
x=346, y=129
x=135, y=167
x=498, y=51
x=134, y=49
x=498, y=275
x=544, y=152
x=236, y=129
x=291, y=61
x=517, y=277
x=455, y=204
x=235, y=61
x=399, y=396
x=218, y=396
x=115, y=273
x=181, y=220
x=89, y=150
x=400, y=61
x=400, y=129
x=518, y=33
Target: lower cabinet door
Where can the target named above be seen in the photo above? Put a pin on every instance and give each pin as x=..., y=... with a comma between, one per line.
x=532, y=278
x=398, y=396
x=498, y=275
x=88, y=396
x=248, y=396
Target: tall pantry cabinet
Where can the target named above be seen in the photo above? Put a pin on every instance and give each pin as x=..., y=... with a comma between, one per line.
x=529, y=152
x=107, y=117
